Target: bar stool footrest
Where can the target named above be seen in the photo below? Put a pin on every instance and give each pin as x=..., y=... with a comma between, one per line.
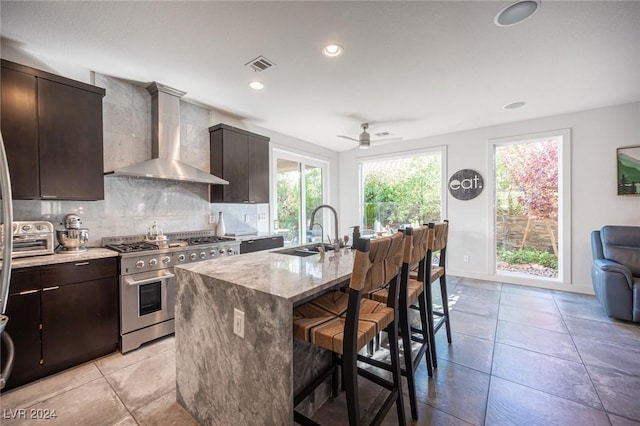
x=308, y=390
x=303, y=420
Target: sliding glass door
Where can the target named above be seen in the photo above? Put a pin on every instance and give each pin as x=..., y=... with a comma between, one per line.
x=300, y=187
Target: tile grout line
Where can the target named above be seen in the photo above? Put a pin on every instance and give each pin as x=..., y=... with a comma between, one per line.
x=118, y=396
x=493, y=354
x=604, y=409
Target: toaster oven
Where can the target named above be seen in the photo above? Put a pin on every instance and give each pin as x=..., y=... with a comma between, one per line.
x=30, y=238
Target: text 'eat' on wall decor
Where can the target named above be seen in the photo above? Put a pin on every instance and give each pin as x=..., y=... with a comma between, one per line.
x=465, y=184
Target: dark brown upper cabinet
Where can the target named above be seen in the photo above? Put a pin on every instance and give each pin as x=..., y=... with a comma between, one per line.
x=242, y=158
x=52, y=130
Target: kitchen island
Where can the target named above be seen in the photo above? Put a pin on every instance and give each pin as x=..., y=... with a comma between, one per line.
x=223, y=378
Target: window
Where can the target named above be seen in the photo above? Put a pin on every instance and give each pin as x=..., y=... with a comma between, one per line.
x=530, y=213
x=402, y=191
x=300, y=187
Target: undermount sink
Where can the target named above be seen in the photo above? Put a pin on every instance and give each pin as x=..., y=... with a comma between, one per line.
x=303, y=251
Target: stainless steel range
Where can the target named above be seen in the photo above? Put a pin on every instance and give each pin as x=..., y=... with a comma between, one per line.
x=147, y=282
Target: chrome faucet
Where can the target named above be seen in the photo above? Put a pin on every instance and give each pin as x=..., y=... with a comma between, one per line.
x=337, y=240
x=321, y=231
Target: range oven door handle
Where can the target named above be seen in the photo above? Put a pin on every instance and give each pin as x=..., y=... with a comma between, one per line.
x=166, y=276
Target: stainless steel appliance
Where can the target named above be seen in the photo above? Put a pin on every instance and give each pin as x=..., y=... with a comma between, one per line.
x=30, y=238
x=147, y=282
x=5, y=274
x=71, y=237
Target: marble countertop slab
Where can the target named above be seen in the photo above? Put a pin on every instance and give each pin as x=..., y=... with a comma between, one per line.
x=293, y=278
x=91, y=253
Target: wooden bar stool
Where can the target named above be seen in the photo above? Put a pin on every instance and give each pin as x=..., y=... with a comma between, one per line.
x=345, y=322
x=437, y=245
x=411, y=293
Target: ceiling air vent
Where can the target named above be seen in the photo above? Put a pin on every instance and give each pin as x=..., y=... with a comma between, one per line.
x=382, y=134
x=260, y=64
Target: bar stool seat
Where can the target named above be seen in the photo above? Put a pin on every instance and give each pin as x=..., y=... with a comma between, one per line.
x=374, y=317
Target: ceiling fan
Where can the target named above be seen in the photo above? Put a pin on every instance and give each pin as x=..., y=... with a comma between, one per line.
x=364, y=139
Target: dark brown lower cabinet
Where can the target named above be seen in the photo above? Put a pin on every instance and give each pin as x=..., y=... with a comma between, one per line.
x=258, y=244
x=57, y=320
x=79, y=322
x=23, y=310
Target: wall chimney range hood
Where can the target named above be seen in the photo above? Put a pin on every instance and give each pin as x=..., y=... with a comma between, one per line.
x=165, y=143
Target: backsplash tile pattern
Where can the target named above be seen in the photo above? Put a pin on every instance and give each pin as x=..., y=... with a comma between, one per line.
x=132, y=204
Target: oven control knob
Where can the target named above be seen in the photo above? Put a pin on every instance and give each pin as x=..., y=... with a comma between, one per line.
x=167, y=259
x=192, y=256
x=213, y=252
x=221, y=251
x=26, y=228
x=140, y=264
x=203, y=255
x=153, y=262
x=181, y=258
x=41, y=227
x=230, y=251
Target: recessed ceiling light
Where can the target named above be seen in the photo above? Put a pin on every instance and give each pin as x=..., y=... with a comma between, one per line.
x=332, y=50
x=514, y=105
x=256, y=85
x=516, y=13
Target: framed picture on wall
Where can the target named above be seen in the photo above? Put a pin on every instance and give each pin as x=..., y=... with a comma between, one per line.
x=629, y=170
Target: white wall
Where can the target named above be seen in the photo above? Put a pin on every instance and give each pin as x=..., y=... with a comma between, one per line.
x=595, y=135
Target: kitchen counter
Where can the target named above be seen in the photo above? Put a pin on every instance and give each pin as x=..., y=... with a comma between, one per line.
x=223, y=378
x=252, y=236
x=91, y=253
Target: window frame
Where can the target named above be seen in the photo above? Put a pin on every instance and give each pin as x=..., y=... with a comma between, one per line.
x=442, y=150
x=304, y=160
x=564, y=207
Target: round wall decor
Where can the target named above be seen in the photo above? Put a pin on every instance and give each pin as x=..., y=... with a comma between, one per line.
x=465, y=184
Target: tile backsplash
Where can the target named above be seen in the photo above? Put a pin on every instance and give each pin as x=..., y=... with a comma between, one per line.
x=131, y=204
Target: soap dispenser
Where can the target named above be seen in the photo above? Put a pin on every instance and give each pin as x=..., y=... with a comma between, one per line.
x=356, y=235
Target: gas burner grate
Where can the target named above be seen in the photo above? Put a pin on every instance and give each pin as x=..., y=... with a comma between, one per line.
x=132, y=247
x=207, y=240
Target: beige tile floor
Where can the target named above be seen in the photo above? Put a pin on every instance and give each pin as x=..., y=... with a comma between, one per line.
x=520, y=356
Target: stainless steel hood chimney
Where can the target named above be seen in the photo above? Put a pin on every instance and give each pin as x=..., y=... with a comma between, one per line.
x=165, y=143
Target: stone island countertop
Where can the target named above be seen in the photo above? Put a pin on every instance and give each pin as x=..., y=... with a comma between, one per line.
x=223, y=378
x=288, y=276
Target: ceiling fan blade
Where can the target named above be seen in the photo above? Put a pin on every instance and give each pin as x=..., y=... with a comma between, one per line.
x=348, y=137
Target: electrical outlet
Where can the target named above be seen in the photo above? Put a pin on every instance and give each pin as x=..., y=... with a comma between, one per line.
x=212, y=218
x=465, y=259
x=262, y=216
x=247, y=218
x=238, y=322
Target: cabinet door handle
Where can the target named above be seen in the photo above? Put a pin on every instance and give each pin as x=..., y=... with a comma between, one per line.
x=22, y=293
x=250, y=242
x=51, y=288
x=82, y=263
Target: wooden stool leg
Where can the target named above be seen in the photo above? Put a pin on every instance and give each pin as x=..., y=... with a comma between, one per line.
x=335, y=379
x=445, y=305
x=405, y=330
x=395, y=365
x=422, y=305
x=430, y=328
x=350, y=377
